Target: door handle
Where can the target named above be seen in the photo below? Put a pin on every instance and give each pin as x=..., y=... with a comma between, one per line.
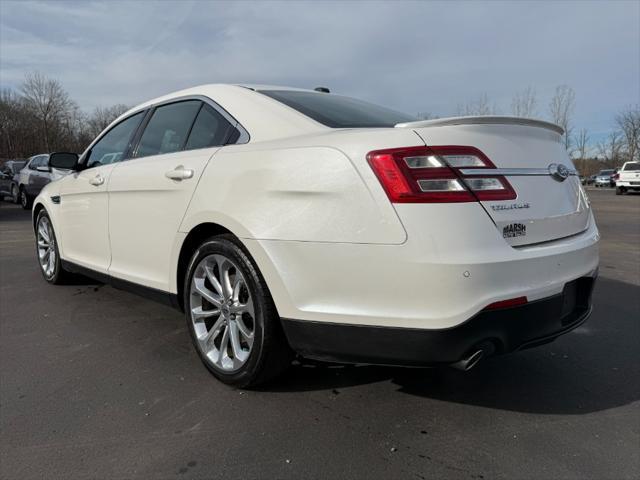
x=179, y=173
x=97, y=180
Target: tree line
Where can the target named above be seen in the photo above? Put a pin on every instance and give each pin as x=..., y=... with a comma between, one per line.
x=40, y=117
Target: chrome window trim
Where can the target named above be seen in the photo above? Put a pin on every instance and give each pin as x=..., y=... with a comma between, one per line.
x=244, y=137
x=244, y=134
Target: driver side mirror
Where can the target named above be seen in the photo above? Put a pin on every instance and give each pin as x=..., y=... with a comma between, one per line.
x=64, y=160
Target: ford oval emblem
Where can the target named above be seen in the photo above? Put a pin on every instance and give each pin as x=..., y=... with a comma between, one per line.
x=559, y=172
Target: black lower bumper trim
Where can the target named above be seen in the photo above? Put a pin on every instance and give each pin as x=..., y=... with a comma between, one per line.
x=509, y=329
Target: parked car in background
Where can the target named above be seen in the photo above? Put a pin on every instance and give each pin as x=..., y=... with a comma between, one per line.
x=284, y=220
x=9, y=179
x=628, y=178
x=34, y=176
x=591, y=180
x=604, y=178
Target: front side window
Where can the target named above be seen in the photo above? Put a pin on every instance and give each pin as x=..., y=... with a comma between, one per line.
x=336, y=111
x=113, y=145
x=210, y=129
x=39, y=161
x=168, y=128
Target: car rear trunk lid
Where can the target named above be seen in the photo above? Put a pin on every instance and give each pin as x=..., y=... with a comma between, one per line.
x=530, y=155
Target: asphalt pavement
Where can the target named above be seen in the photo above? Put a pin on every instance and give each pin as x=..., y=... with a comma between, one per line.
x=99, y=383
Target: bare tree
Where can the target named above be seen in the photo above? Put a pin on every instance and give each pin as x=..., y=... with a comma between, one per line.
x=611, y=148
x=582, y=143
x=561, y=108
x=581, y=148
x=47, y=100
x=103, y=116
x=524, y=103
x=629, y=122
x=480, y=106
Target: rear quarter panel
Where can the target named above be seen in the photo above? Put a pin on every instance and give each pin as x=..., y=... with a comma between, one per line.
x=293, y=192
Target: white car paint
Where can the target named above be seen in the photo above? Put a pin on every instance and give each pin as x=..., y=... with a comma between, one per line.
x=311, y=211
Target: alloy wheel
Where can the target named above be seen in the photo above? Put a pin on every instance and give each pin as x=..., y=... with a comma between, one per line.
x=46, y=247
x=23, y=199
x=222, y=312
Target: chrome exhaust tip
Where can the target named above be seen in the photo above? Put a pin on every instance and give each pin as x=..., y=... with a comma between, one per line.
x=469, y=362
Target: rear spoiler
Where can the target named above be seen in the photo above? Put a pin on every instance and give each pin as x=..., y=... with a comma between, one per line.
x=483, y=120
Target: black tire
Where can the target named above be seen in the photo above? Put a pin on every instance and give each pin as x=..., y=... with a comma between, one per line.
x=270, y=354
x=620, y=190
x=25, y=199
x=59, y=276
x=15, y=195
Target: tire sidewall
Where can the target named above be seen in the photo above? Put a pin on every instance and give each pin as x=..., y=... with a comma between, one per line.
x=57, y=269
x=232, y=251
x=24, y=199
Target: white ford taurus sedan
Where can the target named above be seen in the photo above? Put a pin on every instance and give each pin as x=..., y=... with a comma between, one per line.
x=287, y=221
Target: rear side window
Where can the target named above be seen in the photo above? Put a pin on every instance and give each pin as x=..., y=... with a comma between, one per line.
x=113, y=145
x=210, y=129
x=635, y=166
x=168, y=128
x=336, y=111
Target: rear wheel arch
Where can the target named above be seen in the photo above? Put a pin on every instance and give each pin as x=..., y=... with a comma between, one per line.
x=194, y=238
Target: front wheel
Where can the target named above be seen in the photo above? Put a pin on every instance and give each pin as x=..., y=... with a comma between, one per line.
x=47, y=250
x=231, y=316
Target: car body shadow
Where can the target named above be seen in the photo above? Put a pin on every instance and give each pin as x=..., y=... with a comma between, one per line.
x=594, y=368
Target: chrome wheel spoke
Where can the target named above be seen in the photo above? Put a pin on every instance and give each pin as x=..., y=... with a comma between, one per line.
x=214, y=281
x=225, y=280
x=236, y=288
x=224, y=346
x=244, y=331
x=214, y=332
x=239, y=354
x=198, y=313
x=44, y=233
x=207, y=294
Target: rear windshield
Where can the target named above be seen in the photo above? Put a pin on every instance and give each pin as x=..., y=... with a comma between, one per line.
x=632, y=166
x=336, y=111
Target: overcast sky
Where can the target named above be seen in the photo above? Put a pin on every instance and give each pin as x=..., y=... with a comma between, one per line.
x=412, y=56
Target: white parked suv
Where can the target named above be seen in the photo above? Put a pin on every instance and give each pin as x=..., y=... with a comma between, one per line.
x=628, y=179
x=283, y=220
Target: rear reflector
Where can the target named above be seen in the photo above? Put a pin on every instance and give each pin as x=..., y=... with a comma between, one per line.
x=432, y=174
x=511, y=302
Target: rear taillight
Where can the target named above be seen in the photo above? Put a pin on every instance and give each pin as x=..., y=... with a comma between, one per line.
x=433, y=174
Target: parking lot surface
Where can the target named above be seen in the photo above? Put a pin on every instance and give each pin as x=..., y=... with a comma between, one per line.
x=99, y=383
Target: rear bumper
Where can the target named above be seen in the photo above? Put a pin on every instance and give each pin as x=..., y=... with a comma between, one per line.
x=509, y=329
x=628, y=184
